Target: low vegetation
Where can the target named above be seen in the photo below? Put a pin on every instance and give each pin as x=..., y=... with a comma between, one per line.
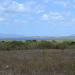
x=24, y=45
x=37, y=57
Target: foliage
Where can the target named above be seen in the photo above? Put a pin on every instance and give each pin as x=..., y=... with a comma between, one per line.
x=22, y=45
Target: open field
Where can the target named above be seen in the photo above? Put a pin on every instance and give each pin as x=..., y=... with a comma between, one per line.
x=37, y=62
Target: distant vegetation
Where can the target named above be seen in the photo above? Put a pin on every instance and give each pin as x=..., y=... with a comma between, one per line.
x=24, y=45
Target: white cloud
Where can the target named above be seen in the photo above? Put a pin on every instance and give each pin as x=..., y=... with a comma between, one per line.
x=65, y=19
x=31, y=9
x=11, y=9
x=38, y=9
x=63, y=3
x=2, y=19
x=15, y=7
x=45, y=17
x=26, y=7
x=56, y=16
x=53, y=16
x=20, y=8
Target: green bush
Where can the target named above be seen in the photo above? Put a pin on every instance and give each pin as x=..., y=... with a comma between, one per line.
x=24, y=45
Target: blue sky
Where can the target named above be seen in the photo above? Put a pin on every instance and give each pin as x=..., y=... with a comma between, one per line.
x=37, y=17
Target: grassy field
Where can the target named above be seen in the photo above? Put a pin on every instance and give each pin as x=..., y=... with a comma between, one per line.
x=37, y=62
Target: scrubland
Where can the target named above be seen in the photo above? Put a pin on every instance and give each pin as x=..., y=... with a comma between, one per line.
x=37, y=61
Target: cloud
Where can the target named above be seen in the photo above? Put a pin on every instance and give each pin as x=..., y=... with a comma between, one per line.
x=45, y=17
x=38, y=9
x=52, y=17
x=22, y=7
x=73, y=20
x=11, y=8
x=2, y=19
x=56, y=15
x=2, y=8
x=57, y=18
x=65, y=4
x=15, y=7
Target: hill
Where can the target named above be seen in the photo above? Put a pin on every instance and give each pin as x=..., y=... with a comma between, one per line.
x=21, y=37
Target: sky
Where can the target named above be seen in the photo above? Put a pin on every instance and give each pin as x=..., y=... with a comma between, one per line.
x=37, y=17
